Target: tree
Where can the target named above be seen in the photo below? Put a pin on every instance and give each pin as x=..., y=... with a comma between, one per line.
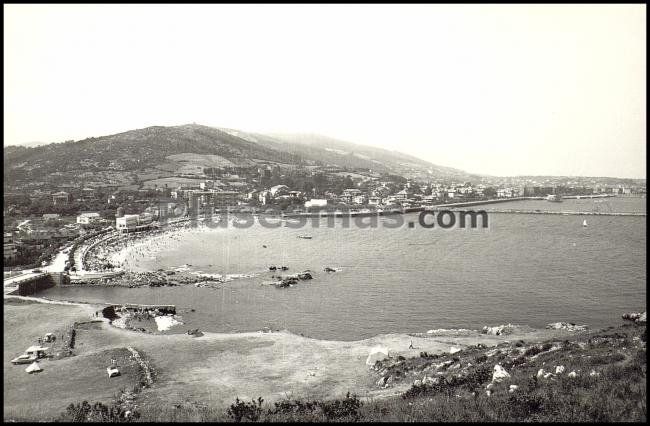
x=490, y=192
x=307, y=187
x=348, y=182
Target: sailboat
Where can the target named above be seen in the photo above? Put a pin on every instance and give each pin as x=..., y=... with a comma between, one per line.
x=584, y=222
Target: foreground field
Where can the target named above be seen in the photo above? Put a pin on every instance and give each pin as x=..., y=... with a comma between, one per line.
x=198, y=378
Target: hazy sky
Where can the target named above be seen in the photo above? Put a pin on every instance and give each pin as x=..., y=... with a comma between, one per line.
x=502, y=90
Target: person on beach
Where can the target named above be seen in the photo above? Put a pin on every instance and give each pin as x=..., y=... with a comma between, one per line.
x=411, y=345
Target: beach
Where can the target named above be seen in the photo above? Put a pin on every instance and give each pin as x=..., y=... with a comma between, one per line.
x=385, y=280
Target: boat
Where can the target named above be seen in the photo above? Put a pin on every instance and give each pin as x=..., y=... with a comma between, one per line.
x=584, y=223
x=554, y=198
x=305, y=237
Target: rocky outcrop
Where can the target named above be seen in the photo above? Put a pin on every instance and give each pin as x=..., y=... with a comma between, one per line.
x=499, y=330
x=499, y=374
x=636, y=317
x=569, y=326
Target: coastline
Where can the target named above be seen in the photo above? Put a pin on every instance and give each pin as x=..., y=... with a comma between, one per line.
x=218, y=367
x=514, y=331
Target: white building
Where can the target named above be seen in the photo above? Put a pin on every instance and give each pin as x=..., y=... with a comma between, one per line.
x=360, y=199
x=87, y=218
x=374, y=201
x=315, y=203
x=10, y=250
x=133, y=222
x=278, y=190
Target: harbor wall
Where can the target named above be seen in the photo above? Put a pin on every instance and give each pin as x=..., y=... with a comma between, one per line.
x=34, y=285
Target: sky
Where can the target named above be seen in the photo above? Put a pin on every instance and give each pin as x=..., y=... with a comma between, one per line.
x=499, y=89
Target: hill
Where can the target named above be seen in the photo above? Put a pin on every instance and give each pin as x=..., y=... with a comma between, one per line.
x=376, y=155
x=159, y=152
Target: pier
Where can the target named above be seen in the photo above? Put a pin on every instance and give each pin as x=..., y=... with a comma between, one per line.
x=565, y=213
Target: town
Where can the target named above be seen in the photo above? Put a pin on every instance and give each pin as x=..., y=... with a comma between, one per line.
x=38, y=221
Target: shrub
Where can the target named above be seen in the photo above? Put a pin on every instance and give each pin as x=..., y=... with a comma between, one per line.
x=98, y=412
x=518, y=361
x=342, y=408
x=245, y=410
x=533, y=350
x=523, y=404
x=294, y=407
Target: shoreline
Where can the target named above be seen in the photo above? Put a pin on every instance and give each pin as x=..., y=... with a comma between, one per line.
x=120, y=255
x=515, y=330
x=279, y=365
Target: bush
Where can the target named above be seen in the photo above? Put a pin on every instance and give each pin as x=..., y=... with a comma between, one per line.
x=518, y=361
x=481, y=359
x=294, y=407
x=533, y=350
x=524, y=405
x=342, y=408
x=98, y=412
x=245, y=410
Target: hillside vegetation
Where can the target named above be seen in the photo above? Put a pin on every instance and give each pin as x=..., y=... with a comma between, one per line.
x=594, y=377
x=149, y=148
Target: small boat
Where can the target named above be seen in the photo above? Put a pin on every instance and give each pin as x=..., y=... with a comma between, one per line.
x=584, y=223
x=305, y=237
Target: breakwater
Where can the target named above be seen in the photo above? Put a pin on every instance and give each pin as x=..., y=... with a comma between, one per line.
x=447, y=206
x=567, y=213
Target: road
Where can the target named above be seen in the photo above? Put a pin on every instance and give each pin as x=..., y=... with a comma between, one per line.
x=58, y=264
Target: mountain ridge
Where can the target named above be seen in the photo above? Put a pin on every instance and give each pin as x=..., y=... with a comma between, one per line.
x=155, y=148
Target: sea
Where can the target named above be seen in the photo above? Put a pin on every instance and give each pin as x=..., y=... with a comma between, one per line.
x=524, y=269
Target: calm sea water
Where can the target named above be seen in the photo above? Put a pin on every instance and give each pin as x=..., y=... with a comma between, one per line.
x=523, y=269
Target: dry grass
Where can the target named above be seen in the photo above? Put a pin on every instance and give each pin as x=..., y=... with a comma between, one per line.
x=63, y=381
x=197, y=379
x=617, y=393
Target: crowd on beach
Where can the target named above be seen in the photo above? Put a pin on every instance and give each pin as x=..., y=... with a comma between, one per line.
x=116, y=250
x=121, y=252
x=115, y=260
